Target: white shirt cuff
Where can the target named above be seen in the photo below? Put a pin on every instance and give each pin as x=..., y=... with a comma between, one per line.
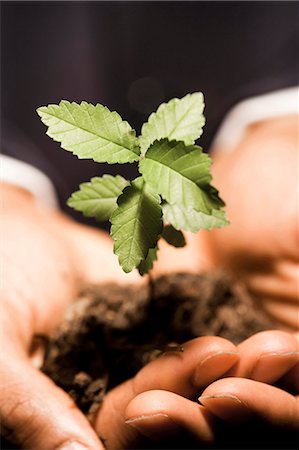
x=255, y=109
x=28, y=177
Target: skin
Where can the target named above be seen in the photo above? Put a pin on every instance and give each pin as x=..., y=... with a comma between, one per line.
x=262, y=205
x=159, y=402
x=45, y=257
x=265, y=253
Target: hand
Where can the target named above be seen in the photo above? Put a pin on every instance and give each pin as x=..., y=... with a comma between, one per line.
x=43, y=257
x=159, y=404
x=259, y=182
x=259, y=398
x=169, y=382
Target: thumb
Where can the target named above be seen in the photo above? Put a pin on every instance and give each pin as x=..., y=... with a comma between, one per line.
x=36, y=414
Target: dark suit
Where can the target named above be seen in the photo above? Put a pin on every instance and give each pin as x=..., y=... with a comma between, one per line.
x=131, y=56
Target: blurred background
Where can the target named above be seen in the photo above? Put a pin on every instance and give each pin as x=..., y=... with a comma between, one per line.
x=131, y=56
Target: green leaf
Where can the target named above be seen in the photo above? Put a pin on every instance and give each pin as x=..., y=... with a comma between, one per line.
x=173, y=237
x=147, y=264
x=136, y=224
x=178, y=172
x=191, y=220
x=91, y=132
x=179, y=119
x=97, y=198
x=213, y=194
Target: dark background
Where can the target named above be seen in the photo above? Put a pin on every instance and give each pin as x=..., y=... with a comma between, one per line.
x=131, y=56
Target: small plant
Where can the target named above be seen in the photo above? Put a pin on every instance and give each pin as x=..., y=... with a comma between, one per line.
x=173, y=191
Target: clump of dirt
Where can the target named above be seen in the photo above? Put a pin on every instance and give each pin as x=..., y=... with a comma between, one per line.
x=111, y=331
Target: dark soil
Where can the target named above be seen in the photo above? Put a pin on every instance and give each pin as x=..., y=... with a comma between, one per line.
x=111, y=331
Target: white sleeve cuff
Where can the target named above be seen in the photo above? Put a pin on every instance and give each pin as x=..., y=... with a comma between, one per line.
x=28, y=177
x=252, y=110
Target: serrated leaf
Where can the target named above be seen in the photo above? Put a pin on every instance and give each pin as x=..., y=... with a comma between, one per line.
x=179, y=119
x=147, y=264
x=178, y=172
x=173, y=236
x=191, y=220
x=136, y=224
x=97, y=198
x=91, y=132
x=213, y=194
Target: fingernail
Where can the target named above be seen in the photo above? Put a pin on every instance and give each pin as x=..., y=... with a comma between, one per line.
x=213, y=366
x=136, y=420
x=272, y=366
x=226, y=406
x=156, y=426
x=74, y=445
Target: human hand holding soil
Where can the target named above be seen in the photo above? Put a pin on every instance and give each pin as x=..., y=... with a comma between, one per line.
x=158, y=406
x=42, y=270
x=34, y=299
x=259, y=183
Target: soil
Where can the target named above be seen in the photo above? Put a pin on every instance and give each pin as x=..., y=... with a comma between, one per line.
x=111, y=331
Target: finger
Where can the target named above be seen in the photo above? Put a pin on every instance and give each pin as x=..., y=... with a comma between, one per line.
x=284, y=308
x=202, y=361
x=162, y=415
x=185, y=373
x=266, y=356
x=290, y=381
x=281, y=288
x=37, y=414
x=237, y=400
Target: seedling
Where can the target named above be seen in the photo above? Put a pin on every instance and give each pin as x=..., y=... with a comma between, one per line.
x=172, y=193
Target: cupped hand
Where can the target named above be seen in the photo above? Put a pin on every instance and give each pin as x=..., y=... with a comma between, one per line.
x=260, y=396
x=258, y=180
x=233, y=384
x=170, y=382
x=43, y=257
